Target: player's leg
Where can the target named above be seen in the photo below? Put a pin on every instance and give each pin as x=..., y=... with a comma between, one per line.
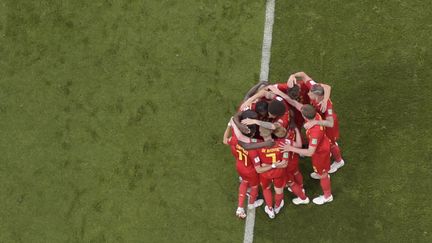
x=240, y=212
x=279, y=184
x=253, y=185
x=333, y=135
x=298, y=178
x=268, y=197
x=298, y=191
x=321, y=165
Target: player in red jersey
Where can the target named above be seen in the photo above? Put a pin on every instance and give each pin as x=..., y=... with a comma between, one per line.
x=294, y=177
x=293, y=93
x=330, y=121
x=305, y=83
x=278, y=112
x=319, y=150
x=261, y=106
x=271, y=167
x=245, y=167
x=319, y=98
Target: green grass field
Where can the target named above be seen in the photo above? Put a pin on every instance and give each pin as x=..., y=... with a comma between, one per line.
x=112, y=115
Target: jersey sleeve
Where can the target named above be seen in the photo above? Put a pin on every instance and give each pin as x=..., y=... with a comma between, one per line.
x=329, y=112
x=309, y=84
x=233, y=140
x=314, y=136
x=255, y=158
x=282, y=87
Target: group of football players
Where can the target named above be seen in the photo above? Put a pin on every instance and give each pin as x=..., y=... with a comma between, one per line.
x=266, y=137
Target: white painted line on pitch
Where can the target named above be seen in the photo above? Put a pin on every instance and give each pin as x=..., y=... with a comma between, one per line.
x=264, y=74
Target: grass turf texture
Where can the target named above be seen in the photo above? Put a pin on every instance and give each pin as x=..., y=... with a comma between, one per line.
x=377, y=57
x=112, y=115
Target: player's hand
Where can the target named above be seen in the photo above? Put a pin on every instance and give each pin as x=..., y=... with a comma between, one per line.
x=244, y=129
x=282, y=164
x=310, y=124
x=245, y=105
x=273, y=89
x=226, y=140
x=286, y=147
x=291, y=81
x=248, y=121
x=323, y=106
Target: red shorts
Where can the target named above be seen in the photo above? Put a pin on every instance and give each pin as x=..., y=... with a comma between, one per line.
x=278, y=182
x=321, y=162
x=333, y=132
x=291, y=169
x=251, y=177
x=293, y=164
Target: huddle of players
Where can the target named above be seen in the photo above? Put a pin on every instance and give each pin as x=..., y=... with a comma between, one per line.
x=265, y=139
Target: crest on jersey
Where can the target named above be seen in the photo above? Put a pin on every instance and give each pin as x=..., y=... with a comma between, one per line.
x=253, y=140
x=314, y=141
x=330, y=111
x=285, y=155
x=279, y=98
x=256, y=160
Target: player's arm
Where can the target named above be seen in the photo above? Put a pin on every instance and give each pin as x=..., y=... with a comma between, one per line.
x=263, y=168
x=268, y=125
x=226, y=135
x=328, y=122
x=301, y=75
x=261, y=93
x=236, y=119
x=290, y=101
x=304, y=152
x=240, y=136
x=327, y=92
x=260, y=167
x=250, y=146
x=255, y=89
x=298, y=139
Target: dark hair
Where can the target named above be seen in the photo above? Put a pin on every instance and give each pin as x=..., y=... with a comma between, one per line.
x=253, y=115
x=308, y=111
x=261, y=107
x=248, y=114
x=253, y=128
x=294, y=92
x=276, y=108
x=317, y=89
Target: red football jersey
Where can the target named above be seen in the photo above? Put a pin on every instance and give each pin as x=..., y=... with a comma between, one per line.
x=329, y=112
x=317, y=138
x=291, y=137
x=303, y=97
x=285, y=118
x=272, y=155
x=244, y=162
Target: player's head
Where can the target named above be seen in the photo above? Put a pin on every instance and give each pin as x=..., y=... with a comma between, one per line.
x=294, y=92
x=280, y=132
x=265, y=133
x=316, y=92
x=252, y=115
x=308, y=112
x=276, y=108
x=261, y=108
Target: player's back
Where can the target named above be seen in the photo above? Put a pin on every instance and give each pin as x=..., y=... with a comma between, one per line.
x=271, y=155
x=317, y=137
x=242, y=156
